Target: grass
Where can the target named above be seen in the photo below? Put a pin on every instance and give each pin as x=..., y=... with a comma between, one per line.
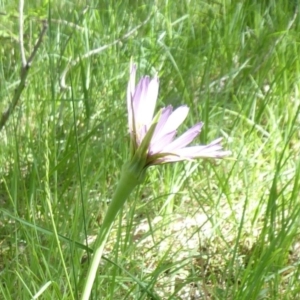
x=196, y=230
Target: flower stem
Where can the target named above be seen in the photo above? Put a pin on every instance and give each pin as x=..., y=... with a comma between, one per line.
x=128, y=181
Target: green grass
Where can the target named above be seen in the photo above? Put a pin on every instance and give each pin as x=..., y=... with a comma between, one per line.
x=196, y=230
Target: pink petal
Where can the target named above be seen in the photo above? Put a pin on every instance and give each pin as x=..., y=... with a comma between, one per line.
x=130, y=93
x=166, y=111
x=210, y=150
x=159, y=144
x=184, y=139
x=173, y=121
x=139, y=99
x=148, y=103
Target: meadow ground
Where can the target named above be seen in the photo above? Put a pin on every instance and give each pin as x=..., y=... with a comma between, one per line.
x=207, y=229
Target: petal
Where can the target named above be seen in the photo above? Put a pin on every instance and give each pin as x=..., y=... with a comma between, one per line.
x=130, y=93
x=168, y=159
x=149, y=102
x=185, y=138
x=175, y=157
x=210, y=150
x=173, y=121
x=159, y=144
x=139, y=99
x=144, y=104
x=165, y=113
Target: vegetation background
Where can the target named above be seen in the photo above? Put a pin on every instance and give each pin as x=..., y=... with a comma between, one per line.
x=196, y=230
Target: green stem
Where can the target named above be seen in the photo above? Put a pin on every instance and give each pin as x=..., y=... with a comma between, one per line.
x=128, y=181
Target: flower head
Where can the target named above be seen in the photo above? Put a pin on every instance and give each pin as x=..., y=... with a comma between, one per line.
x=153, y=139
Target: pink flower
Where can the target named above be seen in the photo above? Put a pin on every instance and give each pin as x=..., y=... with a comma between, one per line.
x=155, y=137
